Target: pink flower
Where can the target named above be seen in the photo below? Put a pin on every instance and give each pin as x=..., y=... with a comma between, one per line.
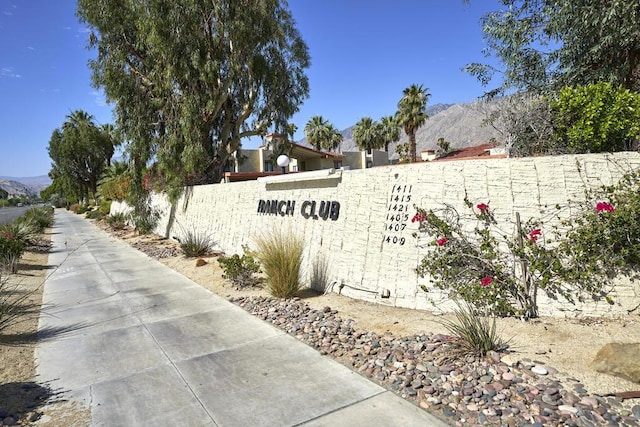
x=442, y=241
x=483, y=207
x=419, y=217
x=8, y=235
x=605, y=207
x=534, y=235
x=486, y=281
x=146, y=182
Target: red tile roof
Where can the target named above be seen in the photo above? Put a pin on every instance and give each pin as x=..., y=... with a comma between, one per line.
x=479, y=151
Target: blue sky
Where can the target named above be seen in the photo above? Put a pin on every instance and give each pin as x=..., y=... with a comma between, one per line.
x=363, y=53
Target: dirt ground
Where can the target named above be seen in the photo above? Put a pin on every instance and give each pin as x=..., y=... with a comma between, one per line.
x=20, y=390
x=565, y=344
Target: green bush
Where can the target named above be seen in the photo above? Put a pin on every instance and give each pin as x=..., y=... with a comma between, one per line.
x=280, y=255
x=195, y=244
x=95, y=214
x=240, y=270
x=105, y=207
x=11, y=249
x=117, y=221
x=23, y=230
x=475, y=334
x=41, y=217
x=144, y=218
x=81, y=209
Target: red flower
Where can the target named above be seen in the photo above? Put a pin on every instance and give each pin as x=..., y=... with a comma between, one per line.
x=419, y=217
x=534, y=235
x=8, y=235
x=486, y=281
x=605, y=207
x=483, y=207
x=442, y=241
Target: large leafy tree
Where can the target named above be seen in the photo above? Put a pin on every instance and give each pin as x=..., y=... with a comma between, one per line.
x=80, y=151
x=367, y=134
x=191, y=79
x=412, y=113
x=597, y=118
x=322, y=134
x=548, y=44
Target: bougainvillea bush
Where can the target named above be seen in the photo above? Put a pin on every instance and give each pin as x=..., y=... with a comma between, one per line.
x=500, y=272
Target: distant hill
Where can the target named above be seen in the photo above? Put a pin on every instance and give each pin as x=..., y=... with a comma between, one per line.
x=460, y=124
x=24, y=186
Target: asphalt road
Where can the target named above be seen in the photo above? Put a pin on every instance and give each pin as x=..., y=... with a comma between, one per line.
x=9, y=214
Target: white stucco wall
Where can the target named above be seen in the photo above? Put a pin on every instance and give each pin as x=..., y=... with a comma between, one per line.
x=364, y=251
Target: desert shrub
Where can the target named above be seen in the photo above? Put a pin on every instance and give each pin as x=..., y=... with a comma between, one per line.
x=74, y=207
x=116, y=221
x=95, y=214
x=280, y=254
x=22, y=230
x=319, y=279
x=144, y=218
x=40, y=217
x=240, y=270
x=105, y=207
x=11, y=249
x=195, y=244
x=82, y=209
x=475, y=334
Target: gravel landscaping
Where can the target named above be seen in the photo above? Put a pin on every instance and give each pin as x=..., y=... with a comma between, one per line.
x=499, y=390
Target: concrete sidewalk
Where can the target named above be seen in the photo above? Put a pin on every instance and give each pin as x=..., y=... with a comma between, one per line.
x=140, y=345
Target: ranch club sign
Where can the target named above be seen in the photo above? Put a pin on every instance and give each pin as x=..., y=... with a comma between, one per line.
x=308, y=209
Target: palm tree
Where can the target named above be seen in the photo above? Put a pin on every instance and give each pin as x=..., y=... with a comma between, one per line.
x=334, y=139
x=322, y=134
x=390, y=131
x=317, y=131
x=412, y=114
x=367, y=134
x=114, y=184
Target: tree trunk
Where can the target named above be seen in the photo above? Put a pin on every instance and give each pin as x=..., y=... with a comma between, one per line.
x=412, y=147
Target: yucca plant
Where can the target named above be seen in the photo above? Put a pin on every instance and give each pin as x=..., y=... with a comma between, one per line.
x=195, y=244
x=474, y=334
x=280, y=254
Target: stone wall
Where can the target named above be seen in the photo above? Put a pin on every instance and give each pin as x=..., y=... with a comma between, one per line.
x=359, y=222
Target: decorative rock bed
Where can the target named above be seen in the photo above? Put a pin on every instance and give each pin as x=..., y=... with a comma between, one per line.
x=498, y=390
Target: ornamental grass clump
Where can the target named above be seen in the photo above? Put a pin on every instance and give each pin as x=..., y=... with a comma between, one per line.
x=195, y=244
x=319, y=280
x=474, y=334
x=280, y=254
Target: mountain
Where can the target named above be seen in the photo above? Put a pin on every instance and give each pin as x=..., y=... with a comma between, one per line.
x=24, y=186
